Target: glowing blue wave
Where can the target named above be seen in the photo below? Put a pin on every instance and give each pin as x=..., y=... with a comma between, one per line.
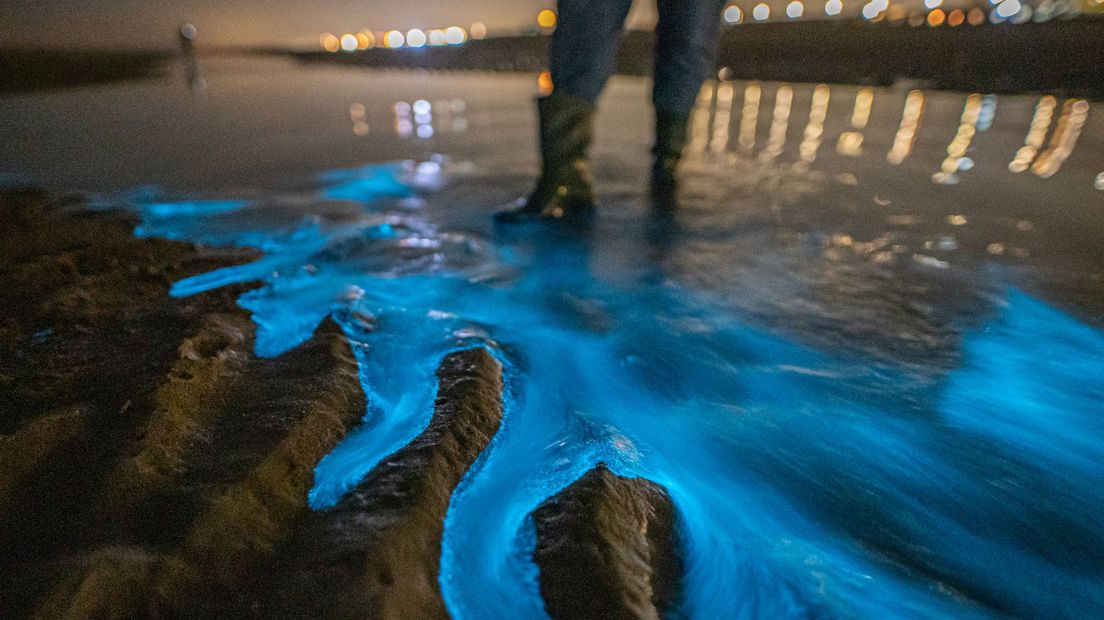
x=804, y=487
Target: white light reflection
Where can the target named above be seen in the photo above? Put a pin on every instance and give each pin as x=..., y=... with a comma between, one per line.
x=988, y=112
x=814, y=130
x=1074, y=114
x=358, y=117
x=1036, y=134
x=906, y=132
x=776, y=139
x=860, y=115
x=956, y=150
x=699, y=118
x=749, y=115
x=424, y=120
x=850, y=143
x=722, y=116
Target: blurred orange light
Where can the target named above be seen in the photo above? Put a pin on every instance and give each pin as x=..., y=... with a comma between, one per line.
x=330, y=43
x=956, y=18
x=544, y=83
x=365, y=40
x=546, y=18
x=976, y=17
x=936, y=18
x=478, y=30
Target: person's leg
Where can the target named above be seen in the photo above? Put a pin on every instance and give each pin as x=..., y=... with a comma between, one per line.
x=584, y=47
x=685, y=52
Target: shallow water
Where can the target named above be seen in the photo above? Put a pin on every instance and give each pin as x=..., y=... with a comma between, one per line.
x=871, y=378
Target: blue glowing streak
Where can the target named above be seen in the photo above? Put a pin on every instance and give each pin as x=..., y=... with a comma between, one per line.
x=803, y=487
x=367, y=183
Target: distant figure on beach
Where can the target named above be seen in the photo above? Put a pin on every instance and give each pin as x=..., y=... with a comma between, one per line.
x=187, y=36
x=582, y=58
x=192, y=71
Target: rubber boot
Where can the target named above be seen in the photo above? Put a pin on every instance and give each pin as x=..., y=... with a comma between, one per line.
x=564, y=187
x=671, y=134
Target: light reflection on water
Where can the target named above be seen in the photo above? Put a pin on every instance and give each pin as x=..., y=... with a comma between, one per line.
x=713, y=114
x=826, y=358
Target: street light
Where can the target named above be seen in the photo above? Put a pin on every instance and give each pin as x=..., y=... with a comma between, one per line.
x=546, y=19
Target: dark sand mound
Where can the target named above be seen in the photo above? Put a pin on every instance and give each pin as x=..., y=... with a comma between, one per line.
x=376, y=553
x=606, y=548
x=150, y=461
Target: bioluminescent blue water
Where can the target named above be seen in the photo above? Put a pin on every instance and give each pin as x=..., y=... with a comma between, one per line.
x=808, y=482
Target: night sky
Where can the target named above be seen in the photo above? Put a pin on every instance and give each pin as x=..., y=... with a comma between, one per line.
x=153, y=23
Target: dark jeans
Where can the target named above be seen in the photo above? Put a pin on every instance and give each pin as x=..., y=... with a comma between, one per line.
x=585, y=43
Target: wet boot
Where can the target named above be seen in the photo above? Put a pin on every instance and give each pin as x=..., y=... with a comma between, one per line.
x=564, y=187
x=671, y=135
